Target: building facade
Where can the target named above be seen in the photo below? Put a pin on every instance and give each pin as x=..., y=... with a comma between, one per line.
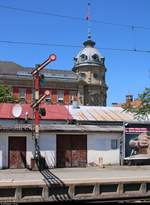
x=66, y=138
x=96, y=149
x=85, y=82
x=69, y=136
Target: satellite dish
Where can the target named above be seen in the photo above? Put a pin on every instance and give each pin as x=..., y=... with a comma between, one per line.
x=16, y=110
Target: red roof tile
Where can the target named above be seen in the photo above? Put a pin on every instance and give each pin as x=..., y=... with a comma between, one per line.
x=53, y=112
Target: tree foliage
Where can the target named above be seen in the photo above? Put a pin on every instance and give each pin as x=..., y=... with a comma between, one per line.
x=143, y=110
x=5, y=94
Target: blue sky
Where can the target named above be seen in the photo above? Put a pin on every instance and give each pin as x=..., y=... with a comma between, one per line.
x=127, y=72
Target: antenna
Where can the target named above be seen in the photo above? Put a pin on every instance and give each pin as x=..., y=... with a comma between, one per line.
x=16, y=110
x=88, y=18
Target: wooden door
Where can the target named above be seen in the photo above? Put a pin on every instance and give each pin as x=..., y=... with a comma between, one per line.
x=71, y=150
x=17, y=152
x=79, y=151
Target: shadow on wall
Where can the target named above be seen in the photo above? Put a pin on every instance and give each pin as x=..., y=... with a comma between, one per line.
x=50, y=159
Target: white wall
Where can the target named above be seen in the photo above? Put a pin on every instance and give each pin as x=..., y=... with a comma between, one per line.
x=47, y=145
x=4, y=146
x=99, y=146
x=3, y=151
x=48, y=148
x=29, y=149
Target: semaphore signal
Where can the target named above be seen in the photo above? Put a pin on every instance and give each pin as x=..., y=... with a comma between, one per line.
x=35, y=106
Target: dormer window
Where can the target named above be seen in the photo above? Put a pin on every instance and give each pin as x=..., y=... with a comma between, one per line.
x=95, y=57
x=83, y=57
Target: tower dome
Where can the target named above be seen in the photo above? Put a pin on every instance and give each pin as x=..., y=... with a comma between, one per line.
x=89, y=55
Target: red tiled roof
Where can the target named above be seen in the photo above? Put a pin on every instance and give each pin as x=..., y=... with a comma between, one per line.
x=53, y=112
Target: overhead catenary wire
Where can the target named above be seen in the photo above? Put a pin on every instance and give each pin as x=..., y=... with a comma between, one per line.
x=37, y=12
x=71, y=46
x=132, y=27
x=37, y=44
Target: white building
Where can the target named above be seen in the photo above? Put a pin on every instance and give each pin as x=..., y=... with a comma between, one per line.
x=69, y=137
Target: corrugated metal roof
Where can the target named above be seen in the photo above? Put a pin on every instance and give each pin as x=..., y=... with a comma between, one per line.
x=98, y=113
x=61, y=112
x=53, y=112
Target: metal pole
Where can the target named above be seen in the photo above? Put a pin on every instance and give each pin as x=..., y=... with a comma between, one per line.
x=35, y=106
x=36, y=114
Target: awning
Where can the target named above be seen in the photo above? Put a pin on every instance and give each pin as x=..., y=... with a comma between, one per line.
x=64, y=128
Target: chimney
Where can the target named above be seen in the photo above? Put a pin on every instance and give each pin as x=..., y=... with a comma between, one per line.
x=129, y=98
x=115, y=104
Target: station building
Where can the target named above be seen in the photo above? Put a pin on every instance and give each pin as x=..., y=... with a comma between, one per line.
x=69, y=136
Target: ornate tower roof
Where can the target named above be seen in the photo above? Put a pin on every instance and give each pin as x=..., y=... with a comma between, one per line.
x=89, y=55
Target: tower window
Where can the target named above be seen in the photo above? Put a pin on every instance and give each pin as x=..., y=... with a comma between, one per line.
x=83, y=57
x=95, y=75
x=83, y=75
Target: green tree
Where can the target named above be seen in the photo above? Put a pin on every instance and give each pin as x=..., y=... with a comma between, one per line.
x=5, y=94
x=143, y=110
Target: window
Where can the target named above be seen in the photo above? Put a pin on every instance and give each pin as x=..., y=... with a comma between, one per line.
x=48, y=100
x=60, y=97
x=83, y=75
x=95, y=57
x=83, y=57
x=114, y=144
x=22, y=94
x=95, y=75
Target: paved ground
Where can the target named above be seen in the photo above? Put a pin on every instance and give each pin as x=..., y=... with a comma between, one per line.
x=75, y=175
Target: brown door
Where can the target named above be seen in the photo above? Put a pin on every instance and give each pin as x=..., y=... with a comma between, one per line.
x=17, y=152
x=71, y=150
